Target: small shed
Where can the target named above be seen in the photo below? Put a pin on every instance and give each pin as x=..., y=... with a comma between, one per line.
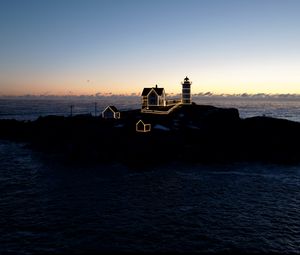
x=111, y=112
x=142, y=127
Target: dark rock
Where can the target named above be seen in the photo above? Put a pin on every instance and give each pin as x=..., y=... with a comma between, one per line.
x=195, y=133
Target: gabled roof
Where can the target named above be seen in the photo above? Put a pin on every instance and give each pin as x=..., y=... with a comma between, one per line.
x=113, y=108
x=142, y=122
x=146, y=91
x=142, y=127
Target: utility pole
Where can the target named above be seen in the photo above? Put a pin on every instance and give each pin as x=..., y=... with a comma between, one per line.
x=71, y=108
x=95, y=109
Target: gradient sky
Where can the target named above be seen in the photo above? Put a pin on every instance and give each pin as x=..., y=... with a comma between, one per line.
x=85, y=47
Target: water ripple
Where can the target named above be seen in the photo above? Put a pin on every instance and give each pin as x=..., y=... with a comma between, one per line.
x=47, y=207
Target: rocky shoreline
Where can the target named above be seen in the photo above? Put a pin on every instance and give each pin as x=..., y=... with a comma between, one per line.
x=191, y=133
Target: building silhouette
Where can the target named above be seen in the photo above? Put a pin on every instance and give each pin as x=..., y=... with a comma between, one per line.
x=111, y=112
x=142, y=127
x=153, y=97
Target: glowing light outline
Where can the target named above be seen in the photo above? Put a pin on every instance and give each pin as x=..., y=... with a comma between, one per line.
x=146, y=127
x=117, y=115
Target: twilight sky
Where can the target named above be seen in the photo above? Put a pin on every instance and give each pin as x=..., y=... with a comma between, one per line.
x=121, y=46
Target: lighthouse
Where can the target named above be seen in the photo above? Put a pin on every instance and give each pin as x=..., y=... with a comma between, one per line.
x=186, y=97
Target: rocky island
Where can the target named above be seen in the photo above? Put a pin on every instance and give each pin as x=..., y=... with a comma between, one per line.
x=190, y=133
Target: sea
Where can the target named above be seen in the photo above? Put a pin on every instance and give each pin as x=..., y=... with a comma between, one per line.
x=30, y=108
x=49, y=206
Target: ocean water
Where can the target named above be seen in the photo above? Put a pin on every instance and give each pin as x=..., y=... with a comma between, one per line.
x=47, y=206
x=32, y=108
x=50, y=206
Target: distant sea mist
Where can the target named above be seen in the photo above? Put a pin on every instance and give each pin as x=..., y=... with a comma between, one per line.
x=29, y=107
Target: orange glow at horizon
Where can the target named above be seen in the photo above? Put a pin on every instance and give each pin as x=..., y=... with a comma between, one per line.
x=65, y=89
x=225, y=80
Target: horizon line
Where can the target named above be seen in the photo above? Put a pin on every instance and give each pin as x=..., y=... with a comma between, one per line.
x=109, y=94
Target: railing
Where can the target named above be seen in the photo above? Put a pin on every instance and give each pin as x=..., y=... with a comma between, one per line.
x=172, y=102
x=162, y=112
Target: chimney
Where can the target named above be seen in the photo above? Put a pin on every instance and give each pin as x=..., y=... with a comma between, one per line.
x=156, y=86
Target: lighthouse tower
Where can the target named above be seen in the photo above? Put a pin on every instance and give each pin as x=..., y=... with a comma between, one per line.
x=186, y=97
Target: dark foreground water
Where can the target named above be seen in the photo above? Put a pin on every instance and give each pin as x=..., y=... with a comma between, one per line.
x=50, y=207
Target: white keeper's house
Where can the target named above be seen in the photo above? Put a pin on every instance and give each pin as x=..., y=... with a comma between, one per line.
x=154, y=99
